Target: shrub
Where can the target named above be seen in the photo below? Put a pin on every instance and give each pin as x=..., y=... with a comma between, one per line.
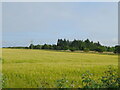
x=88, y=81
x=117, y=49
x=109, y=80
x=86, y=50
x=62, y=83
x=72, y=49
x=99, y=50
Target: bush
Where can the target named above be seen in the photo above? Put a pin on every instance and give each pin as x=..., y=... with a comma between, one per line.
x=99, y=50
x=86, y=50
x=62, y=83
x=65, y=83
x=117, y=49
x=72, y=49
x=88, y=81
x=109, y=80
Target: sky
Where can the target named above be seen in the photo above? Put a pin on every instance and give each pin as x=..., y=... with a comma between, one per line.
x=45, y=22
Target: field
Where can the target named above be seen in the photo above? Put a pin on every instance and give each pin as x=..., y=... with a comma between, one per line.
x=25, y=68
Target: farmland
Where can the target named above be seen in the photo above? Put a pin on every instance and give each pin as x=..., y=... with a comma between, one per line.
x=25, y=68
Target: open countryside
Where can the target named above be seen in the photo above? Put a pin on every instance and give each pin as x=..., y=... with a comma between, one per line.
x=43, y=68
x=60, y=45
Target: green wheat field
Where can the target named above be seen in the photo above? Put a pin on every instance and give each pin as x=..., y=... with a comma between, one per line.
x=25, y=68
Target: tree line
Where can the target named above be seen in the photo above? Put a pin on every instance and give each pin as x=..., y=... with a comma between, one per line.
x=86, y=45
x=83, y=45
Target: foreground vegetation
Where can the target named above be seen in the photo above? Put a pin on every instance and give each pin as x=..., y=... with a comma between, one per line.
x=26, y=68
x=109, y=79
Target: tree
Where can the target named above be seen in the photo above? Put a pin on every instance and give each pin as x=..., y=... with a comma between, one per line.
x=99, y=49
x=117, y=49
x=72, y=49
x=87, y=43
x=37, y=46
x=54, y=47
x=45, y=46
x=111, y=49
x=31, y=46
x=63, y=44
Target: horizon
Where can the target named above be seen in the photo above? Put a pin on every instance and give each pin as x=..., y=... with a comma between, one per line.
x=45, y=22
x=56, y=43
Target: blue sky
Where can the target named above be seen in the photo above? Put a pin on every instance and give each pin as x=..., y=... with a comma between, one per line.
x=46, y=22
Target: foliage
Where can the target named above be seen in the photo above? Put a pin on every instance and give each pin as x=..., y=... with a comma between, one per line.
x=63, y=44
x=72, y=49
x=65, y=83
x=117, y=49
x=99, y=49
x=3, y=79
x=86, y=49
x=62, y=83
x=109, y=80
x=31, y=46
x=86, y=45
x=88, y=81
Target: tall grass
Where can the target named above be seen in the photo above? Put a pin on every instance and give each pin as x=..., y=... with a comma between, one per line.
x=41, y=68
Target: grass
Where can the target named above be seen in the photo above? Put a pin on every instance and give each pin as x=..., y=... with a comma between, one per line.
x=24, y=68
